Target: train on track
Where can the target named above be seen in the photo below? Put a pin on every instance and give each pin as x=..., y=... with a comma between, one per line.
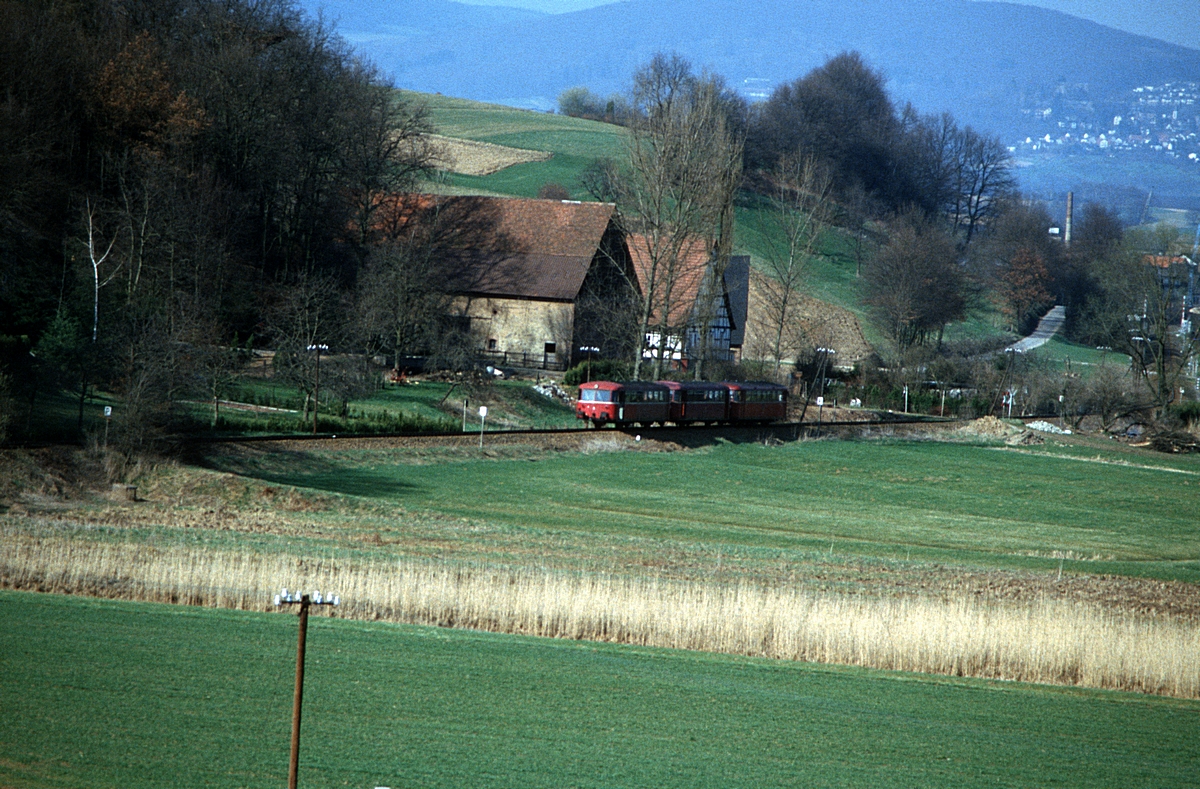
x=646, y=403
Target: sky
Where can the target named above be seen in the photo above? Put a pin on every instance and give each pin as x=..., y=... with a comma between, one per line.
x=1176, y=21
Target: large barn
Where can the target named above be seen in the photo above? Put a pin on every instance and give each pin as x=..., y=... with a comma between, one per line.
x=683, y=295
x=535, y=282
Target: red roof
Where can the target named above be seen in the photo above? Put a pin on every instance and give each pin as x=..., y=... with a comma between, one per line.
x=498, y=246
x=1165, y=261
x=689, y=270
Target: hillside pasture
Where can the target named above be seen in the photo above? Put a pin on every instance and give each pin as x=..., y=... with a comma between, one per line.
x=575, y=143
x=105, y=694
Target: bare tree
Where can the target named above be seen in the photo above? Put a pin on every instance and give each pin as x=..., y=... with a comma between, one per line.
x=915, y=283
x=1138, y=307
x=390, y=150
x=305, y=315
x=684, y=162
x=601, y=179
x=798, y=214
x=402, y=296
x=982, y=178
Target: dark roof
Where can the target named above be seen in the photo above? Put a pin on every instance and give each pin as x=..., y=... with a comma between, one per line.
x=737, y=287
x=514, y=247
x=515, y=275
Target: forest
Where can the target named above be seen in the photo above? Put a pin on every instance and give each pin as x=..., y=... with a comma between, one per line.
x=181, y=180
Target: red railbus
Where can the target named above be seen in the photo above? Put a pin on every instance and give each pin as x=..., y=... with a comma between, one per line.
x=621, y=404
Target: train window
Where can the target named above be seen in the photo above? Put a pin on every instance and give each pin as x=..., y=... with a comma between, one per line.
x=735, y=395
x=646, y=396
x=595, y=396
x=762, y=395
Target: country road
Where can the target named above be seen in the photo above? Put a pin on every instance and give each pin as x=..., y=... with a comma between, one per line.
x=1047, y=327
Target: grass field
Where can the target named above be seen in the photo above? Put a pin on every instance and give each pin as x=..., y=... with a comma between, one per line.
x=1081, y=359
x=575, y=143
x=959, y=503
x=102, y=694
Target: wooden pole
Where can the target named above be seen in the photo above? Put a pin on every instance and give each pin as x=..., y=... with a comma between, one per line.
x=316, y=396
x=294, y=763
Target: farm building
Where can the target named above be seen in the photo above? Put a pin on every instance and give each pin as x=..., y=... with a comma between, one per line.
x=532, y=282
x=683, y=294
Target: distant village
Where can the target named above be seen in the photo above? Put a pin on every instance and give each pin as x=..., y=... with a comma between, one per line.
x=1159, y=119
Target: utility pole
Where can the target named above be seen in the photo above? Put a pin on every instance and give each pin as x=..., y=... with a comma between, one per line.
x=304, y=601
x=317, y=383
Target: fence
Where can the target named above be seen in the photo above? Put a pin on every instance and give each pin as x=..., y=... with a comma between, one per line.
x=527, y=361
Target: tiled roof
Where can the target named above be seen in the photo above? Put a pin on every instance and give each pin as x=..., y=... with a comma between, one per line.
x=690, y=269
x=1165, y=261
x=496, y=246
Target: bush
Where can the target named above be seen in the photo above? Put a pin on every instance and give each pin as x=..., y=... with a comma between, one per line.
x=553, y=191
x=596, y=370
x=1187, y=414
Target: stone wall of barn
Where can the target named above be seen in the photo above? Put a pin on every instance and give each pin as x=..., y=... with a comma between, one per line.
x=519, y=332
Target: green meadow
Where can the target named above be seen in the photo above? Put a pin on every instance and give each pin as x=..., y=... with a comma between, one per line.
x=1106, y=510
x=575, y=143
x=106, y=694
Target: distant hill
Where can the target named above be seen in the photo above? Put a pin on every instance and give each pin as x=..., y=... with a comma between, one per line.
x=980, y=60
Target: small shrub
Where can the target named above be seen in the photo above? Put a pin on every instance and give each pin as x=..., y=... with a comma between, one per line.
x=553, y=191
x=1188, y=414
x=596, y=370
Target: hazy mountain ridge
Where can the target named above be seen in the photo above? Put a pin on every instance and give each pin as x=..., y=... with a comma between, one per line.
x=975, y=59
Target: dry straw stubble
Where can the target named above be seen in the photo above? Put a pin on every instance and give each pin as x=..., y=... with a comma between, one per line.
x=1045, y=642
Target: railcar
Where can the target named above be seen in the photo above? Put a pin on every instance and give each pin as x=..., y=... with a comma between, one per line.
x=756, y=402
x=621, y=404
x=698, y=401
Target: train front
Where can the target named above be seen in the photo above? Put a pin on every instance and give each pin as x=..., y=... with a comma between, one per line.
x=597, y=402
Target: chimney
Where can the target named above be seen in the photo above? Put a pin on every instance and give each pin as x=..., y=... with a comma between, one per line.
x=1070, y=216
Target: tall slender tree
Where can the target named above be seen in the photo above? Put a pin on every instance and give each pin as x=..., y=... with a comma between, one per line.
x=800, y=209
x=683, y=166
